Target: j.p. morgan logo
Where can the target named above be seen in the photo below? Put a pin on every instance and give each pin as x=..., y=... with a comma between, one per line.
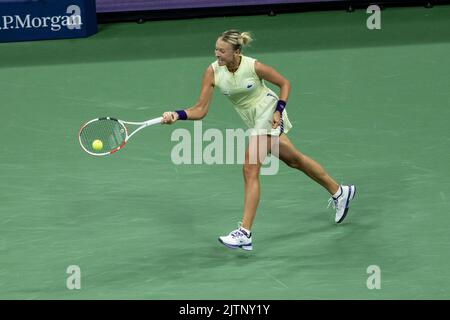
x=70, y=21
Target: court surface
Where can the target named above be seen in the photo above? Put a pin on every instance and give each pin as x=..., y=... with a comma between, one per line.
x=371, y=106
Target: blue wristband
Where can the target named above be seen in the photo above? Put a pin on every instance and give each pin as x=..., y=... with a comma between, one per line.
x=281, y=104
x=182, y=115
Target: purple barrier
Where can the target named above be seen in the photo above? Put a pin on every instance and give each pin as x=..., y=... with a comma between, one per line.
x=141, y=5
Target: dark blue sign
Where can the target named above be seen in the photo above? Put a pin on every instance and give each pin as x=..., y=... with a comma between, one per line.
x=22, y=20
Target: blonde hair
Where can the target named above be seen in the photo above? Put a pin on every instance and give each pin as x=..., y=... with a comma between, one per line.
x=236, y=38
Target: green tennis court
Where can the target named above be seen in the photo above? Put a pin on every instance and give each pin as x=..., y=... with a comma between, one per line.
x=372, y=106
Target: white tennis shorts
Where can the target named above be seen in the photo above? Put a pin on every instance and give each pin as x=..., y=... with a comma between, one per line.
x=259, y=117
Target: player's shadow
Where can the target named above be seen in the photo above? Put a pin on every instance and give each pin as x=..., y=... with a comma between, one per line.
x=176, y=39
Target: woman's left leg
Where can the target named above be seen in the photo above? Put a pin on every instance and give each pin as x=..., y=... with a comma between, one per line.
x=341, y=195
x=295, y=159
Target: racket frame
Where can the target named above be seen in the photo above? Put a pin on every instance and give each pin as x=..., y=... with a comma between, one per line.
x=123, y=124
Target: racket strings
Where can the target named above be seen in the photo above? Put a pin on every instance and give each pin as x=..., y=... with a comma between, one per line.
x=110, y=132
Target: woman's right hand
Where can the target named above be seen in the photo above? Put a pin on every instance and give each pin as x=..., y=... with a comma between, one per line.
x=169, y=117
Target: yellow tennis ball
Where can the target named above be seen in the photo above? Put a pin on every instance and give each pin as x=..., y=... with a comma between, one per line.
x=97, y=145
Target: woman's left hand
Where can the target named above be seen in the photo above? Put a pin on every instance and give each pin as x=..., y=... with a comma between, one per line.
x=276, y=120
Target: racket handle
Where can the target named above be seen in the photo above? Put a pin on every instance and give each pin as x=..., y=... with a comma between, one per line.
x=153, y=121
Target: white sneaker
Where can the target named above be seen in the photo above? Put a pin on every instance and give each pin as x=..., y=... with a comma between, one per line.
x=238, y=238
x=341, y=203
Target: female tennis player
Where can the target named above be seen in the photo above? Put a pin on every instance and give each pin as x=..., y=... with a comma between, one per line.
x=241, y=79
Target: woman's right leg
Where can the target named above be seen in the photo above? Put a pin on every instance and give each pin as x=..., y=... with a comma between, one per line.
x=255, y=154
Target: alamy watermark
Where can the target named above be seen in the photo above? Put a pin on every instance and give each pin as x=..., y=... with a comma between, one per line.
x=73, y=281
x=374, y=20
x=374, y=280
x=236, y=146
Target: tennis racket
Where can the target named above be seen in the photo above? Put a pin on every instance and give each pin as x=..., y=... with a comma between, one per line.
x=104, y=136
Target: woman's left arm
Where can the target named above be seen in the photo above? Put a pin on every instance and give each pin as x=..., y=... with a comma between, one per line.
x=271, y=75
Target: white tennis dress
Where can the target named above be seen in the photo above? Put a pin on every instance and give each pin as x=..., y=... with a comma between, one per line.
x=253, y=101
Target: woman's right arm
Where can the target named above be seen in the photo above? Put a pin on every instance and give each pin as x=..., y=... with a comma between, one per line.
x=200, y=108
